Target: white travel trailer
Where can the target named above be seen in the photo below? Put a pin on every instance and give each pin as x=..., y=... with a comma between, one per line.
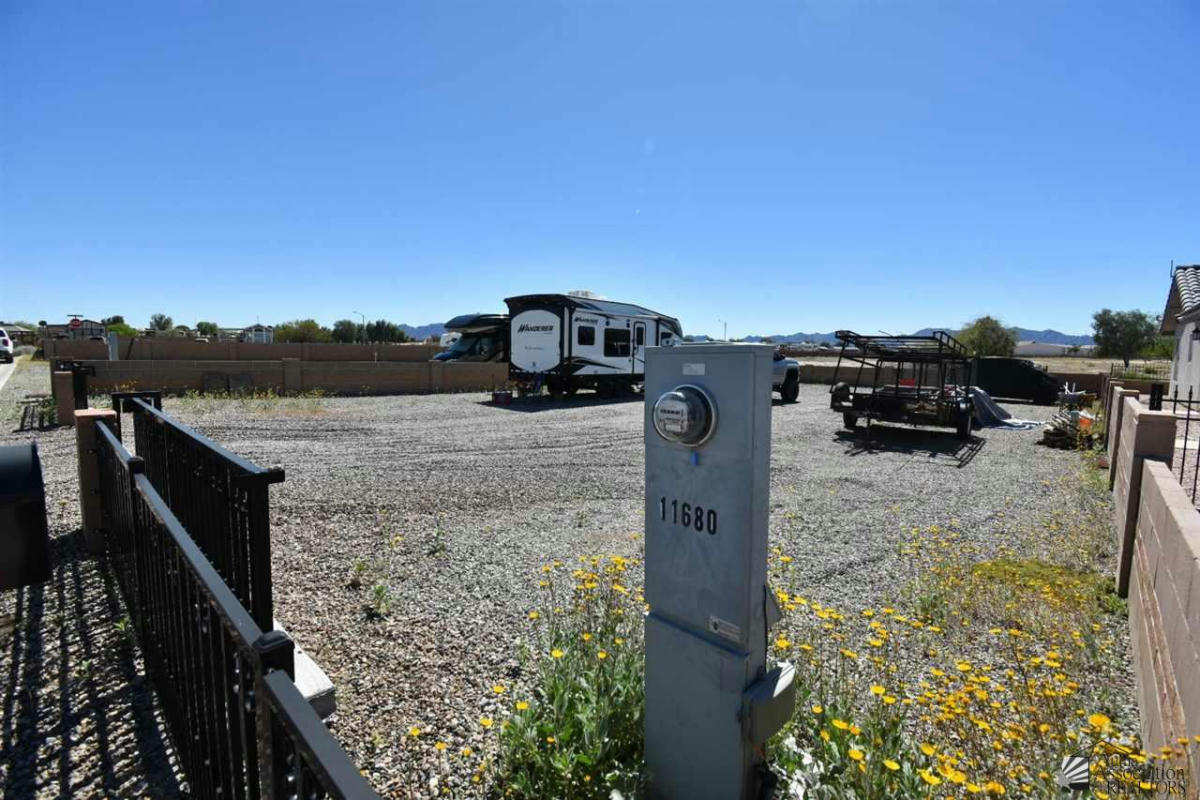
x=567, y=342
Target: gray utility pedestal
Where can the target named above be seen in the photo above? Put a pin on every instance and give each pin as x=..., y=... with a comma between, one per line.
x=711, y=697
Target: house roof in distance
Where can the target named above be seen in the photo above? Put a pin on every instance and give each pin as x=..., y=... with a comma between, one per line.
x=1184, y=296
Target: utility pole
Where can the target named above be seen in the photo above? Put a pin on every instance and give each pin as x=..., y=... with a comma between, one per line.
x=725, y=333
x=363, y=327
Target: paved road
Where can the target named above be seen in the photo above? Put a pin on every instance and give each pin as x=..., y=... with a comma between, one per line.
x=6, y=371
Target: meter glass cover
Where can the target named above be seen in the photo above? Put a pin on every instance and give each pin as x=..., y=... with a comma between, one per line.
x=684, y=415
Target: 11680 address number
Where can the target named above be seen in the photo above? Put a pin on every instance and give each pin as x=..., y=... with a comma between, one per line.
x=697, y=518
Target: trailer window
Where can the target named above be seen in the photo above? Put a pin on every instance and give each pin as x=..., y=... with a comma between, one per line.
x=664, y=337
x=585, y=334
x=616, y=342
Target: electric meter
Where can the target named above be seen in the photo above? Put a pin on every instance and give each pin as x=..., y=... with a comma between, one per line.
x=685, y=415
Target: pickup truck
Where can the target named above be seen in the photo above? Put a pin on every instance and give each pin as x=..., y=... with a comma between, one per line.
x=786, y=377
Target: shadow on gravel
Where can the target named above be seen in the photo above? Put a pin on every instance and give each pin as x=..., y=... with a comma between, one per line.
x=943, y=448
x=534, y=405
x=77, y=717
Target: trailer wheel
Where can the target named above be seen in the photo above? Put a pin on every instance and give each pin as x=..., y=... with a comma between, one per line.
x=849, y=420
x=791, y=388
x=571, y=388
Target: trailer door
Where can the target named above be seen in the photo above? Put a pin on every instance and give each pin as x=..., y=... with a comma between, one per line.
x=638, y=349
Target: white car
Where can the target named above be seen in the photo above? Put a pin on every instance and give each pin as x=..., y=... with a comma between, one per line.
x=6, y=347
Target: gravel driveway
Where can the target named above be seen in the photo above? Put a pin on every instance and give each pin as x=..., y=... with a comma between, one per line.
x=452, y=505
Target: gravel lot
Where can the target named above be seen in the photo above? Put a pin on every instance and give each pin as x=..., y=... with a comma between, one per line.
x=453, y=505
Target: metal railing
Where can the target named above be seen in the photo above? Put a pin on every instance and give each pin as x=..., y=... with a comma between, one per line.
x=153, y=396
x=220, y=498
x=239, y=726
x=1143, y=370
x=1187, y=416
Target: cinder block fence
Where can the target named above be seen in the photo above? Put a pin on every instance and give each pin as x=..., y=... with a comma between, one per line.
x=292, y=376
x=1157, y=531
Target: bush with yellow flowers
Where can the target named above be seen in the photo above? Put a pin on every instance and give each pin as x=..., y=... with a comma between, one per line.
x=1002, y=665
x=579, y=732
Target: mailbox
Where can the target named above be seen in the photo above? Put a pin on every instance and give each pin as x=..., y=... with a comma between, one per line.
x=24, y=537
x=711, y=697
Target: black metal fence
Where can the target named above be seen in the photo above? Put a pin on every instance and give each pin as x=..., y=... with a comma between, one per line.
x=1189, y=471
x=239, y=726
x=1141, y=370
x=220, y=498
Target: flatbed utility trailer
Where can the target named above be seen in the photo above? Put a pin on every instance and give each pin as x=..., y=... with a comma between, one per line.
x=931, y=385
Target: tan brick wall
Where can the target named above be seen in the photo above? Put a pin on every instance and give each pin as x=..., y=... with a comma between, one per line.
x=171, y=349
x=1143, y=435
x=294, y=375
x=470, y=376
x=1164, y=612
x=1113, y=443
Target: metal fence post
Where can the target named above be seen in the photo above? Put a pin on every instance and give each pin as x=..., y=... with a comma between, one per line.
x=262, y=603
x=273, y=651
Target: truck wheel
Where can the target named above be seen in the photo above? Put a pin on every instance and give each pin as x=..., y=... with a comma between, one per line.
x=791, y=388
x=850, y=420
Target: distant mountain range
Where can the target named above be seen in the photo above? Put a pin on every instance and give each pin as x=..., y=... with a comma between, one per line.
x=1047, y=336
x=1023, y=334
x=420, y=332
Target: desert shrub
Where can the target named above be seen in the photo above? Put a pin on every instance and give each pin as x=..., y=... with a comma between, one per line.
x=578, y=733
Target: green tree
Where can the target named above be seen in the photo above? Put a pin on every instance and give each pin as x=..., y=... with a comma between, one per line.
x=121, y=329
x=161, y=322
x=207, y=328
x=302, y=330
x=115, y=319
x=347, y=331
x=381, y=330
x=1163, y=347
x=987, y=336
x=1123, y=334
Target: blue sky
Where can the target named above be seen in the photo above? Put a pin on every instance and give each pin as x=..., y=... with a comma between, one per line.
x=781, y=166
